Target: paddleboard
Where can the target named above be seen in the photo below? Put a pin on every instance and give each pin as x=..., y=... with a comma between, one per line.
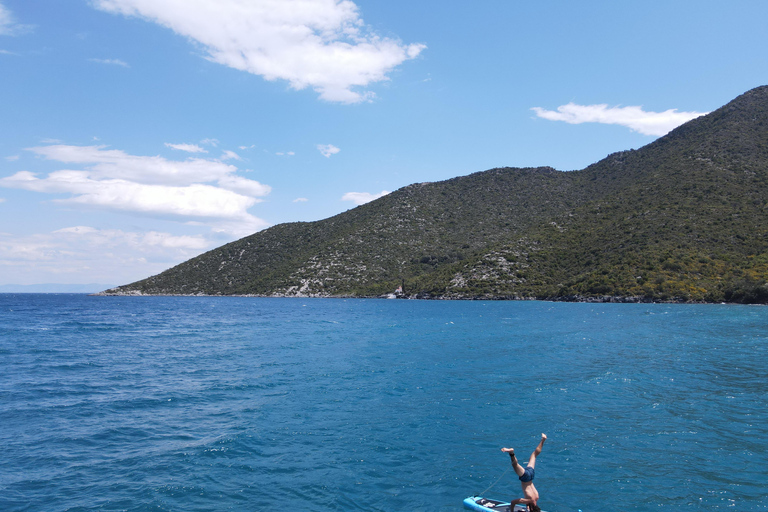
x=481, y=504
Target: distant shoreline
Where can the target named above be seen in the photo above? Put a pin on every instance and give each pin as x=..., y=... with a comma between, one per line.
x=87, y=288
x=608, y=299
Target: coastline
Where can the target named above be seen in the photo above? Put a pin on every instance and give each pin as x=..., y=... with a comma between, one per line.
x=605, y=299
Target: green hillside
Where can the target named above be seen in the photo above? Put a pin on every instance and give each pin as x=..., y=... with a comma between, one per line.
x=683, y=218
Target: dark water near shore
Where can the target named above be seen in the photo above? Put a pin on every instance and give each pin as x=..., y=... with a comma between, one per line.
x=192, y=404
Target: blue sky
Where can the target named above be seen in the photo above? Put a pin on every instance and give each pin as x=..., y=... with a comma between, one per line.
x=135, y=134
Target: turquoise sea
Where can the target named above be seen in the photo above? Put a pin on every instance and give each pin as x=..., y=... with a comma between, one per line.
x=201, y=404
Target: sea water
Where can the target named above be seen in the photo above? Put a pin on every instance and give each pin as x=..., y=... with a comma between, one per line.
x=200, y=404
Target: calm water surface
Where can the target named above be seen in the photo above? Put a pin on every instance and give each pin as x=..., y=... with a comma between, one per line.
x=199, y=404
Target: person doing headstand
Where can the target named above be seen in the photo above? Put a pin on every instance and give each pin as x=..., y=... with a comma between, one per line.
x=526, y=477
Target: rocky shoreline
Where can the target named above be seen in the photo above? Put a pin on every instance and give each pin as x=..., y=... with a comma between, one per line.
x=604, y=299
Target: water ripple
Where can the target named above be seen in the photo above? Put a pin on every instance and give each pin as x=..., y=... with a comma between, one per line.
x=187, y=404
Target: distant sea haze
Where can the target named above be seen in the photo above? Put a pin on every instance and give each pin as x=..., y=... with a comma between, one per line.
x=53, y=288
x=233, y=403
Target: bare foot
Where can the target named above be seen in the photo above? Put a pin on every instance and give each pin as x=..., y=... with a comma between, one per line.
x=544, y=437
x=510, y=451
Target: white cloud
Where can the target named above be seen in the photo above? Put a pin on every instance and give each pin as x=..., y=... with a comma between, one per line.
x=210, y=142
x=12, y=158
x=285, y=153
x=244, y=186
x=153, y=186
x=189, y=148
x=300, y=200
x=111, y=62
x=2, y=199
x=362, y=197
x=8, y=25
x=230, y=155
x=144, y=240
x=114, y=163
x=323, y=44
x=192, y=201
x=87, y=254
x=5, y=18
x=327, y=150
x=635, y=118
